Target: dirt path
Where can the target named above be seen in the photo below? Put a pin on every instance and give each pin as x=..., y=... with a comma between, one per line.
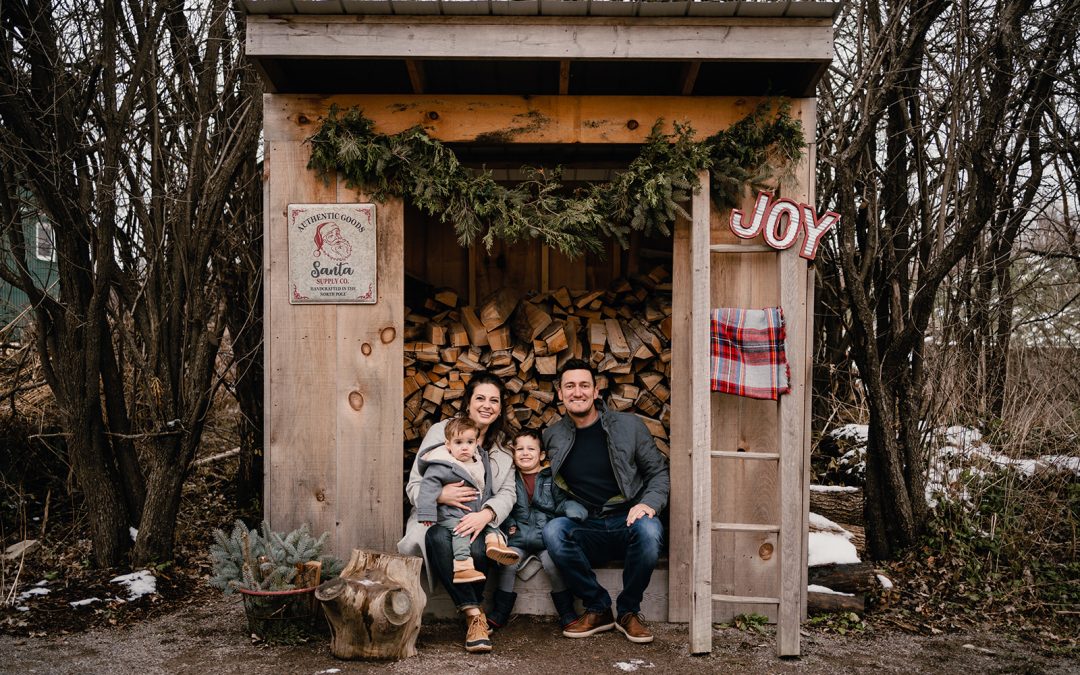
x=211, y=638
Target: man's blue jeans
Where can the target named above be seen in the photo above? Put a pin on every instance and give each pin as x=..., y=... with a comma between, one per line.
x=578, y=547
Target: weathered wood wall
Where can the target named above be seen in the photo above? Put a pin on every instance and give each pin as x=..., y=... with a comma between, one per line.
x=333, y=405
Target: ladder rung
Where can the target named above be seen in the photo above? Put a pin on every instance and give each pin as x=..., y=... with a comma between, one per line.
x=746, y=455
x=746, y=599
x=742, y=248
x=745, y=527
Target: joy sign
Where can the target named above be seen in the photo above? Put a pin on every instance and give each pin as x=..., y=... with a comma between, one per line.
x=781, y=220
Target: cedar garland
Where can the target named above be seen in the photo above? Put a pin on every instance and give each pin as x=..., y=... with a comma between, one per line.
x=646, y=197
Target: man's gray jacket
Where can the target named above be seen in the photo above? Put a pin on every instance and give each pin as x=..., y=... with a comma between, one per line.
x=641, y=470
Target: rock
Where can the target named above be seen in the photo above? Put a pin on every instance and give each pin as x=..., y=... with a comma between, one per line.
x=23, y=548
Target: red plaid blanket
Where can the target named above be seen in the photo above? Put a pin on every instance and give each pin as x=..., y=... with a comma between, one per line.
x=748, y=357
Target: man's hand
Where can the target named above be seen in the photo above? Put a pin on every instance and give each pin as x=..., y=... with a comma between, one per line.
x=472, y=524
x=637, y=511
x=457, y=494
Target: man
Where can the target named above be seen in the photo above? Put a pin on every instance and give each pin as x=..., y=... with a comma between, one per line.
x=607, y=461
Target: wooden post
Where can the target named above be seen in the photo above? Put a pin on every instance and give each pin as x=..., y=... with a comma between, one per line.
x=374, y=607
x=701, y=421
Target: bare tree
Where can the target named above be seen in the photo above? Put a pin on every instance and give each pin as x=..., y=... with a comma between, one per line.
x=127, y=124
x=932, y=151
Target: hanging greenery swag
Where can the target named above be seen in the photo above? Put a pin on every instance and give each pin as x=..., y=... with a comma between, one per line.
x=646, y=197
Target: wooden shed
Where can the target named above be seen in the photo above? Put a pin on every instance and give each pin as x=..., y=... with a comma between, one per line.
x=578, y=83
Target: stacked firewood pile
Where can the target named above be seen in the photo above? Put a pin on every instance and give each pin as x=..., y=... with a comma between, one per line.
x=624, y=331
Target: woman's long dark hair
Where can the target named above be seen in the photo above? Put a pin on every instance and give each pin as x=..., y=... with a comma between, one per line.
x=495, y=433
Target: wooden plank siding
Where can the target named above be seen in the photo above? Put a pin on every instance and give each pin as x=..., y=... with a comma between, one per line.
x=333, y=394
x=554, y=38
x=510, y=119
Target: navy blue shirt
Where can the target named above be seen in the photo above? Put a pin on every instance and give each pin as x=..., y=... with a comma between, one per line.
x=587, y=468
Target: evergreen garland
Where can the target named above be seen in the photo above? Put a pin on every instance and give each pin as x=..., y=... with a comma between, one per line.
x=646, y=197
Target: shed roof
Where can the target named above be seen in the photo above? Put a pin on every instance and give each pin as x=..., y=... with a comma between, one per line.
x=541, y=47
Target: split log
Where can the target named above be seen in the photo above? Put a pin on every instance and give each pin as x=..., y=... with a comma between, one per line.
x=831, y=602
x=497, y=309
x=852, y=578
x=374, y=607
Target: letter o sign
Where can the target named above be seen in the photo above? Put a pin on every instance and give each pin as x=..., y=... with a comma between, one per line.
x=780, y=231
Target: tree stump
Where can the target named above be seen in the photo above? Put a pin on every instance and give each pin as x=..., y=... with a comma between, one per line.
x=374, y=607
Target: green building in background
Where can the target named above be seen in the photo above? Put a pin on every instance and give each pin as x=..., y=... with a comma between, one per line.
x=15, y=310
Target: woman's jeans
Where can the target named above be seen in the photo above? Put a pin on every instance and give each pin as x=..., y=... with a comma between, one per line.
x=440, y=554
x=577, y=548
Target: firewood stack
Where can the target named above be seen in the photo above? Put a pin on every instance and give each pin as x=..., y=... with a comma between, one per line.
x=624, y=331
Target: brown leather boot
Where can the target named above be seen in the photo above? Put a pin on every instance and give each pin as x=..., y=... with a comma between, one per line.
x=590, y=623
x=635, y=630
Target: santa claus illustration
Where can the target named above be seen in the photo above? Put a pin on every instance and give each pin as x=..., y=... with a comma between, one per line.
x=329, y=240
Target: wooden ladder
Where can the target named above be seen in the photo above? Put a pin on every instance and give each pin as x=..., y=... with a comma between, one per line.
x=788, y=530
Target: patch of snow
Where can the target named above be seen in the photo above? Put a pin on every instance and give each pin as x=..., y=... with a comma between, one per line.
x=814, y=588
x=826, y=548
x=1062, y=463
x=329, y=670
x=823, y=523
x=43, y=582
x=37, y=590
x=138, y=583
x=834, y=488
x=83, y=603
x=133, y=533
x=22, y=608
x=885, y=581
x=852, y=432
x=632, y=665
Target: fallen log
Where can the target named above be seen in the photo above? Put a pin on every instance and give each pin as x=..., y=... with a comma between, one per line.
x=374, y=607
x=852, y=578
x=834, y=602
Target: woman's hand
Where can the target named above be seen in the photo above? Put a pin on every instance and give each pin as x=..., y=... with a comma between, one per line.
x=472, y=524
x=457, y=494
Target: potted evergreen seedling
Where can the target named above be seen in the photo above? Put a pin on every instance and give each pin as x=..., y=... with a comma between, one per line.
x=276, y=573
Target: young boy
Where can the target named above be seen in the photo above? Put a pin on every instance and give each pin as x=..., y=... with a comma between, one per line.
x=454, y=462
x=538, y=500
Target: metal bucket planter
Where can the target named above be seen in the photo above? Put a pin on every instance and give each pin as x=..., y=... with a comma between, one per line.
x=281, y=616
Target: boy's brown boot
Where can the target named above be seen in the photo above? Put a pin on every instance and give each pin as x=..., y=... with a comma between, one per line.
x=465, y=573
x=499, y=552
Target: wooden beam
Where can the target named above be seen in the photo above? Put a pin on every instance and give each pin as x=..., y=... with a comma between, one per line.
x=594, y=38
x=701, y=567
x=689, y=77
x=564, y=77
x=416, y=75
x=512, y=119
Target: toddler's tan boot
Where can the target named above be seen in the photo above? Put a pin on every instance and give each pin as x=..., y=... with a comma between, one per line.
x=498, y=551
x=466, y=573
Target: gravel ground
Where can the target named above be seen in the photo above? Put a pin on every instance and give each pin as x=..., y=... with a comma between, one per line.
x=210, y=638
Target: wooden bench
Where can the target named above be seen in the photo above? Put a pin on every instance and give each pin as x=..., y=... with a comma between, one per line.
x=534, y=594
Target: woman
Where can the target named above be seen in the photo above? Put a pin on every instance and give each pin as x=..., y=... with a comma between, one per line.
x=484, y=396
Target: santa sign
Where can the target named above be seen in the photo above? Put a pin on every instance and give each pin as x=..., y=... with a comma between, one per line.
x=332, y=255
x=781, y=221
